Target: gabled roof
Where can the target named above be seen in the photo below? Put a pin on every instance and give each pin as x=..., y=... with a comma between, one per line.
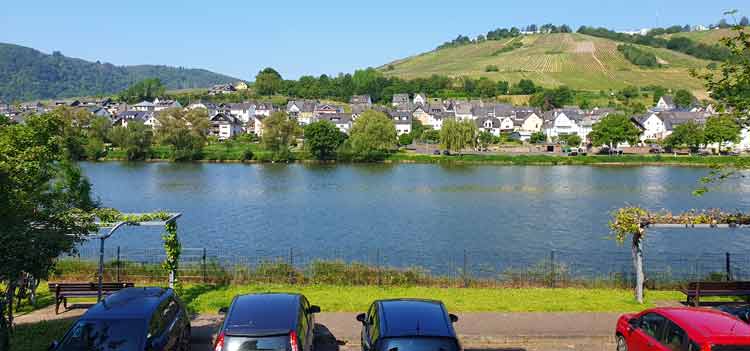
x=400, y=98
x=360, y=99
x=482, y=120
x=144, y=104
x=336, y=118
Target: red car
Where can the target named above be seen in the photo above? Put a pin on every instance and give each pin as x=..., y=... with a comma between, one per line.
x=682, y=329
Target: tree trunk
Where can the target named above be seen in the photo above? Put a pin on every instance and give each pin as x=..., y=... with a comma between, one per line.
x=637, y=250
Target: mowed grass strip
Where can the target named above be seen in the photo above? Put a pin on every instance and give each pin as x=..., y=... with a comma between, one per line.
x=358, y=298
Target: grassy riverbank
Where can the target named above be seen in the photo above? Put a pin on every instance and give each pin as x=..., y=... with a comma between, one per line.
x=253, y=152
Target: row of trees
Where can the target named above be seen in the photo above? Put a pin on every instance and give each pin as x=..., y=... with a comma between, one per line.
x=381, y=89
x=719, y=129
x=676, y=43
x=638, y=56
x=505, y=33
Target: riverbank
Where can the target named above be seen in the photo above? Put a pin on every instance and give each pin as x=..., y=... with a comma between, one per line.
x=253, y=153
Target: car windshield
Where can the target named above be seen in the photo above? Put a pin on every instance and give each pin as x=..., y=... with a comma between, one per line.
x=105, y=335
x=242, y=343
x=418, y=344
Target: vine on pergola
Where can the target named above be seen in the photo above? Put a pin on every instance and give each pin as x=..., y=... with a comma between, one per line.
x=632, y=222
x=172, y=246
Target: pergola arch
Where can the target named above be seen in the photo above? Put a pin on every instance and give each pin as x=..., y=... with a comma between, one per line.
x=112, y=219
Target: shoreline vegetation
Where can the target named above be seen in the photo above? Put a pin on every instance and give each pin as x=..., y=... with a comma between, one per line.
x=219, y=153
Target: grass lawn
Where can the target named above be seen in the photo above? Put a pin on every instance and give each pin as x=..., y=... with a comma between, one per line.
x=204, y=299
x=38, y=336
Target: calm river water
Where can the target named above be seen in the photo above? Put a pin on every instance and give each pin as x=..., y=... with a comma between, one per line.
x=428, y=215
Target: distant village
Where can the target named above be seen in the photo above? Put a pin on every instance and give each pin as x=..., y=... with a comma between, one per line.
x=229, y=120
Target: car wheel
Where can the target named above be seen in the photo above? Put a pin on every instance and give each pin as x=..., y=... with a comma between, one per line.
x=621, y=344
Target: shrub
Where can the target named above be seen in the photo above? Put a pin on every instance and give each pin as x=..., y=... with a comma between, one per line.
x=491, y=68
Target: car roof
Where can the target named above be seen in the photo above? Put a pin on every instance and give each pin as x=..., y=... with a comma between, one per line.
x=267, y=313
x=707, y=323
x=414, y=317
x=135, y=303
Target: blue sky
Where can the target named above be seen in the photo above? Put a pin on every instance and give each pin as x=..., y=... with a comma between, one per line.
x=239, y=38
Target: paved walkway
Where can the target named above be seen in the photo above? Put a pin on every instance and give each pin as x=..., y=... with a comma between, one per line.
x=339, y=331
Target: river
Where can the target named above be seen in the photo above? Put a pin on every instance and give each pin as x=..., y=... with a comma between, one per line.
x=416, y=214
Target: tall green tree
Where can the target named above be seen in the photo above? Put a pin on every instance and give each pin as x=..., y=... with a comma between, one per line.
x=683, y=98
x=268, y=82
x=458, y=135
x=147, y=89
x=279, y=132
x=372, y=134
x=485, y=138
x=184, y=130
x=722, y=129
x=613, y=130
x=322, y=139
x=44, y=205
x=538, y=138
x=690, y=134
x=134, y=139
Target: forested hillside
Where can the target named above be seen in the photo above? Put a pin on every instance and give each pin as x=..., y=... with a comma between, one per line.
x=28, y=74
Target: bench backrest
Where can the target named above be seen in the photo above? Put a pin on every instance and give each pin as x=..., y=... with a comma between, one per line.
x=739, y=285
x=73, y=287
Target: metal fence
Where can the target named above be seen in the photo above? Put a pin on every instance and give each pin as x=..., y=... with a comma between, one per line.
x=557, y=268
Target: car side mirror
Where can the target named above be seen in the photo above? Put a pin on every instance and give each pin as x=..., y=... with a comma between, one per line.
x=453, y=318
x=361, y=318
x=313, y=309
x=53, y=345
x=223, y=310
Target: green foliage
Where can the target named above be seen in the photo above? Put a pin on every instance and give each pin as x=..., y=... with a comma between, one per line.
x=431, y=136
x=173, y=249
x=689, y=133
x=613, y=130
x=27, y=74
x=268, y=82
x=552, y=98
x=638, y=56
x=147, y=89
x=416, y=129
x=405, y=139
x=322, y=139
x=279, y=132
x=99, y=129
x=457, y=135
x=184, y=130
x=485, y=138
x=627, y=221
x=538, y=138
x=372, y=133
x=721, y=129
x=524, y=87
x=683, y=98
x=571, y=140
x=491, y=68
x=134, y=139
x=94, y=149
x=508, y=48
x=44, y=202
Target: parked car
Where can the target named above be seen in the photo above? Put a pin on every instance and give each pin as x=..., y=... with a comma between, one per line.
x=680, y=328
x=446, y=152
x=436, y=152
x=408, y=324
x=267, y=322
x=131, y=319
x=741, y=311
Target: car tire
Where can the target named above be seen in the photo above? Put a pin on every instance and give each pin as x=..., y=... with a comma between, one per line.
x=622, y=345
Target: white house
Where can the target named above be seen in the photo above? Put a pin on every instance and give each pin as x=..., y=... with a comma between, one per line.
x=342, y=121
x=506, y=124
x=562, y=123
x=488, y=124
x=160, y=105
x=402, y=121
x=244, y=111
x=144, y=106
x=653, y=127
x=528, y=123
x=666, y=103
x=225, y=126
x=264, y=109
x=420, y=99
x=400, y=99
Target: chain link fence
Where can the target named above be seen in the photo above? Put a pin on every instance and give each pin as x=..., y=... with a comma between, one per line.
x=476, y=268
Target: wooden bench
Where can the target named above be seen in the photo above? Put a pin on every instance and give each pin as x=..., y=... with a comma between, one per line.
x=695, y=290
x=64, y=291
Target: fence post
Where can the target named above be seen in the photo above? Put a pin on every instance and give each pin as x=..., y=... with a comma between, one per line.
x=377, y=264
x=291, y=266
x=552, y=268
x=117, y=265
x=729, y=266
x=203, y=264
x=466, y=271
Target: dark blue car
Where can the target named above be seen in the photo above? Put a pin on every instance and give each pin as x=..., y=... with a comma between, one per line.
x=408, y=325
x=282, y=322
x=131, y=319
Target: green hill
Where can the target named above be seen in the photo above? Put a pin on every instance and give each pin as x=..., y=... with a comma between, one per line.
x=709, y=37
x=28, y=74
x=576, y=60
